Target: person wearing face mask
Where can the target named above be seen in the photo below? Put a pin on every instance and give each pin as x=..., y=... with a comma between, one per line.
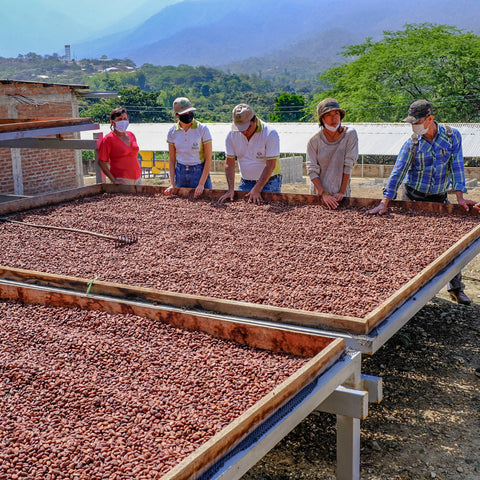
x=427, y=170
x=331, y=154
x=256, y=146
x=117, y=153
x=190, y=150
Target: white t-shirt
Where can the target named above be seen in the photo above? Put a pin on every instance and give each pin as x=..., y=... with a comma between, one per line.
x=189, y=144
x=252, y=155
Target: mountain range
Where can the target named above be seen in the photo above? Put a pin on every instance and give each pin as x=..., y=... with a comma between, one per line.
x=252, y=36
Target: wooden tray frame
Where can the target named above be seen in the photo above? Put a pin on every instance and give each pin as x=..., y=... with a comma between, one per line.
x=322, y=351
x=338, y=323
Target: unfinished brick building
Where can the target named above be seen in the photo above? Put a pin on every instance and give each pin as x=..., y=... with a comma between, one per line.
x=33, y=171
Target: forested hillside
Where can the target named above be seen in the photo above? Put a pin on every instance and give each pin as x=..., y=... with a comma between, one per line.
x=376, y=81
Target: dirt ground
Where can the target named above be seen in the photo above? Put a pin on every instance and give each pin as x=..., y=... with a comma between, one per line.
x=428, y=423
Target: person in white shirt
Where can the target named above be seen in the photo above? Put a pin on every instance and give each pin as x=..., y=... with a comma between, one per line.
x=256, y=146
x=189, y=149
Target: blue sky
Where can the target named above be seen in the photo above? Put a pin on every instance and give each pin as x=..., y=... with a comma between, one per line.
x=45, y=26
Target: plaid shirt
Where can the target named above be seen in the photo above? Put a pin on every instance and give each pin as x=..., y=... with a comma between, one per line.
x=436, y=166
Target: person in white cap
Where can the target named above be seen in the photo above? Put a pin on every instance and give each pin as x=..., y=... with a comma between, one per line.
x=189, y=149
x=256, y=146
x=331, y=154
x=429, y=163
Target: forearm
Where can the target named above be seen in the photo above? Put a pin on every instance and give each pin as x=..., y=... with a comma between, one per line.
x=207, y=165
x=344, y=185
x=317, y=183
x=230, y=173
x=172, y=162
x=105, y=168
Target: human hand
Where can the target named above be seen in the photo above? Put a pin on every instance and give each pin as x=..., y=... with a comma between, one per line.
x=169, y=191
x=339, y=196
x=254, y=196
x=477, y=206
x=227, y=196
x=329, y=200
x=380, y=209
x=466, y=204
x=198, y=191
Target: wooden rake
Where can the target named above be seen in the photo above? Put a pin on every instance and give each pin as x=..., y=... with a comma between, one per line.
x=120, y=240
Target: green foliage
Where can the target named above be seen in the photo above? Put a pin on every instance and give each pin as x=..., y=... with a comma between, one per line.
x=212, y=92
x=288, y=108
x=142, y=107
x=436, y=62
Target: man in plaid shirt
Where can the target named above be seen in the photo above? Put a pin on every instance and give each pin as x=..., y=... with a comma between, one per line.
x=427, y=165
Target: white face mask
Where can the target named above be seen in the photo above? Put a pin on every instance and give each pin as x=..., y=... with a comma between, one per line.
x=330, y=128
x=121, y=125
x=420, y=129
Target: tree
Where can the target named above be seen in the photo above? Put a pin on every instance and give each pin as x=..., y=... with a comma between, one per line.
x=288, y=108
x=436, y=62
x=141, y=107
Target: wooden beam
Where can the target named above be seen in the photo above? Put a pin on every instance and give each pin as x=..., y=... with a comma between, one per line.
x=180, y=300
x=13, y=124
x=49, y=199
x=401, y=295
x=53, y=143
x=221, y=443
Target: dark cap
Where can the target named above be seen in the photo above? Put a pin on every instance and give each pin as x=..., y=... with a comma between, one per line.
x=418, y=110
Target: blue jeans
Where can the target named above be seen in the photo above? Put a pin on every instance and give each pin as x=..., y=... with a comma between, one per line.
x=188, y=176
x=274, y=185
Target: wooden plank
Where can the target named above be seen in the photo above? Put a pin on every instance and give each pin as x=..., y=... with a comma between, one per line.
x=325, y=352
x=295, y=199
x=273, y=339
x=49, y=199
x=207, y=304
x=230, y=436
x=394, y=301
x=12, y=125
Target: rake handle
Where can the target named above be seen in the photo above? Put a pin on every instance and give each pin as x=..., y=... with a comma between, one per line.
x=66, y=229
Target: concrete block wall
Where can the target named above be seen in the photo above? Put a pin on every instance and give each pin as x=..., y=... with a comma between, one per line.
x=38, y=171
x=292, y=169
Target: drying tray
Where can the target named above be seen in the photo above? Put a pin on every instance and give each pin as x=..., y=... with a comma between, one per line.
x=441, y=270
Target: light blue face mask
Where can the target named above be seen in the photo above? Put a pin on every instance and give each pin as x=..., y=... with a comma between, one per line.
x=121, y=125
x=332, y=129
x=420, y=129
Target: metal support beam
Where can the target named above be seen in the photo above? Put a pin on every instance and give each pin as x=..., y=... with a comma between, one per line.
x=241, y=461
x=56, y=130
x=350, y=406
x=348, y=448
x=347, y=402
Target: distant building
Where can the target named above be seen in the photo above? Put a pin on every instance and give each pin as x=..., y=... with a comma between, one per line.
x=68, y=56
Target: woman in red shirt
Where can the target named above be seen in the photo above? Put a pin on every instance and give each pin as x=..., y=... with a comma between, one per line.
x=117, y=154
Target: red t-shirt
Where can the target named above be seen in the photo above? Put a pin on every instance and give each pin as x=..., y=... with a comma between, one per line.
x=122, y=158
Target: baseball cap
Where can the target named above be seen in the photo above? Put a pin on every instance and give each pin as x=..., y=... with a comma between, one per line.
x=242, y=114
x=418, y=110
x=182, y=105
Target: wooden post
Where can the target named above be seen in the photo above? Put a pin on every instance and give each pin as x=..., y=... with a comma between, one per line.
x=99, y=175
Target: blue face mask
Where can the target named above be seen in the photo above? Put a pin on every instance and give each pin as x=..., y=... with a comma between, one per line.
x=121, y=125
x=186, y=117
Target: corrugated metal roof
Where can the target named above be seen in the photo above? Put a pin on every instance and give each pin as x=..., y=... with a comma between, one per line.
x=373, y=138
